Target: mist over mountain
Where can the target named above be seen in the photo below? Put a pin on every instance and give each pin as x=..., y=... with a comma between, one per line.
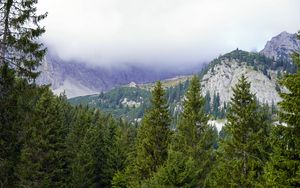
x=162, y=33
x=78, y=78
x=262, y=69
x=81, y=78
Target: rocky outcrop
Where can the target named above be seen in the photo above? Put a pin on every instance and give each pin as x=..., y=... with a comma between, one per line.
x=225, y=75
x=281, y=46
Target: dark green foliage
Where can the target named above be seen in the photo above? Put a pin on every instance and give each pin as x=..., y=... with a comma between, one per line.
x=216, y=105
x=43, y=154
x=111, y=102
x=151, y=144
x=283, y=170
x=190, y=153
x=20, y=54
x=153, y=135
x=17, y=105
x=207, y=98
x=243, y=151
x=193, y=121
x=179, y=170
x=20, y=30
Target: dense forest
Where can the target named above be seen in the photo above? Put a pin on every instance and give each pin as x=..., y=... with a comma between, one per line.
x=47, y=142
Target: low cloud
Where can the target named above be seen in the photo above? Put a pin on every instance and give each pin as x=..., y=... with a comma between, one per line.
x=162, y=32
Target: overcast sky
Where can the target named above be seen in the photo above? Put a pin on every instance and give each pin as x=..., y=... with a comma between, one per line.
x=163, y=32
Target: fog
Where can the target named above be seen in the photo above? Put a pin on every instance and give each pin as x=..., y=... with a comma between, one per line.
x=166, y=33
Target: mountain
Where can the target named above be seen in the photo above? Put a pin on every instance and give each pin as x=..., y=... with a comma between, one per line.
x=217, y=80
x=262, y=69
x=281, y=46
x=79, y=78
x=225, y=71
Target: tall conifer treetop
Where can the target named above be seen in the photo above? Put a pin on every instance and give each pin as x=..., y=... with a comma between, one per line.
x=19, y=31
x=194, y=120
x=153, y=135
x=242, y=153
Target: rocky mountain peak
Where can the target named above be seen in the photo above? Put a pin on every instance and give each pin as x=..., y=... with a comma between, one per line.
x=281, y=46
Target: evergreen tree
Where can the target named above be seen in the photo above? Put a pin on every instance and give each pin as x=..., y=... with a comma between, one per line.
x=19, y=30
x=179, y=170
x=207, y=102
x=20, y=53
x=190, y=154
x=216, y=105
x=16, y=109
x=82, y=121
x=153, y=136
x=283, y=170
x=193, y=122
x=43, y=155
x=243, y=152
x=90, y=165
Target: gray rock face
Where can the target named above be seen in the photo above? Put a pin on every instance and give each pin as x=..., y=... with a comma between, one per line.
x=226, y=75
x=281, y=46
x=78, y=79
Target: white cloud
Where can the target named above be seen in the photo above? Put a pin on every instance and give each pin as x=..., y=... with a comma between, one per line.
x=110, y=32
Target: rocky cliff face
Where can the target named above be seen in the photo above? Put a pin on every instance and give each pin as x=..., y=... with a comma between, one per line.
x=221, y=77
x=78, y=79
x=225, y=75
x=281, y=46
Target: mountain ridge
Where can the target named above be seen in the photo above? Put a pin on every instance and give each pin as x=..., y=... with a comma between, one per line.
x=217, y=79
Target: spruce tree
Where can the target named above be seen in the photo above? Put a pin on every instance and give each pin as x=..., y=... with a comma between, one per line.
x=20, y=53
x=283, y=170
x=193, y=124
x=16, y=110
x=153, y=136
x=81, y=122
x=207, y=102
x=94, y=163
x=190, y=154
x=20, y=28
x=242, y=153
x=43, y=154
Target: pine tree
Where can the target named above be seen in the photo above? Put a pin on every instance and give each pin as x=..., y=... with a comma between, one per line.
x=190, y=155
x=179, y=170
x=16, y=110
x=207, y=102
x=153, y=136
x=283, y=170
x=81, y=122
x=19, y=30
x=43, y=155
x=193, y=122
x=91, y=167
x=216, y=105
x=242, y=153
x=20, y=53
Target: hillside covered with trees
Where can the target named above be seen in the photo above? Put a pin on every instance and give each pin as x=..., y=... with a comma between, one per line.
x=47, y=142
